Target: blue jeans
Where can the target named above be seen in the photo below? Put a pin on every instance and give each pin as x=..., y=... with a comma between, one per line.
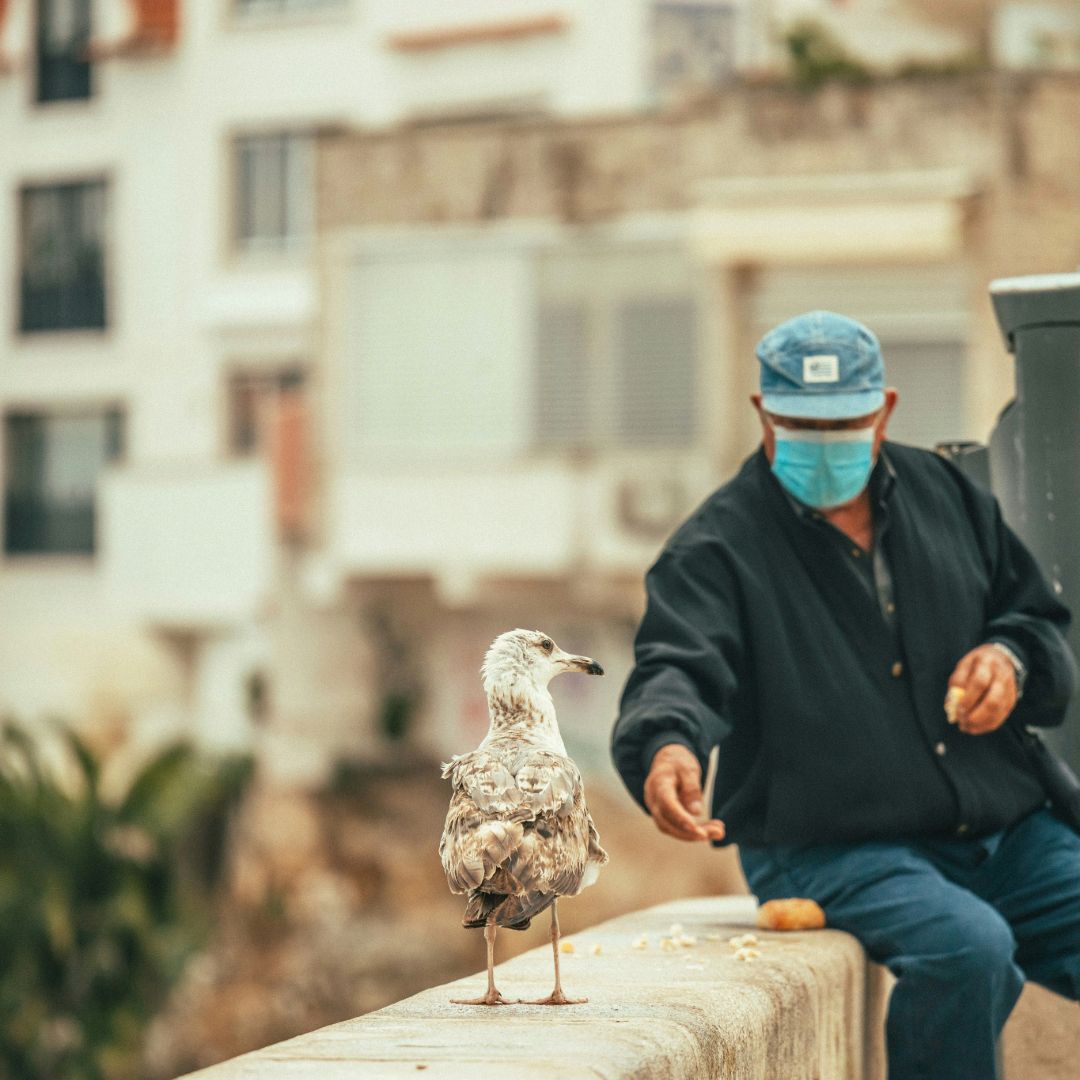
x=961, y=923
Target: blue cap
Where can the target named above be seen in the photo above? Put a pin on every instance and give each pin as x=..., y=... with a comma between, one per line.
x=821, y=366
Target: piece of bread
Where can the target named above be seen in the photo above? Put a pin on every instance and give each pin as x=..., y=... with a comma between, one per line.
x=952, y=702
x=793, y=914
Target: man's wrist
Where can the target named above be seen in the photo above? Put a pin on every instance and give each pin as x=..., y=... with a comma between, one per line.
x=1019, y=667
x=657, y=743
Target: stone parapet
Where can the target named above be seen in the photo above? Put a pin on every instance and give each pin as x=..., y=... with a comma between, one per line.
x=809, y=1005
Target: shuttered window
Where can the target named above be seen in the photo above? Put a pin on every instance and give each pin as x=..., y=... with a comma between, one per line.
x=561, y=375
x=616, y=348
x=656, y=348
x=438, y=340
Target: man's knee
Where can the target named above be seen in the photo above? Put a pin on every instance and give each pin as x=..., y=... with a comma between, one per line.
x=977, y=947
x=982, y=948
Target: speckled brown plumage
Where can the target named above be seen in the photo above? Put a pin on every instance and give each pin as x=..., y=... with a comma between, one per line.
x=518, y=833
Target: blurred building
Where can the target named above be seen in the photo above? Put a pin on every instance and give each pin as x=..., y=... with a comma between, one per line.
x=339, y=337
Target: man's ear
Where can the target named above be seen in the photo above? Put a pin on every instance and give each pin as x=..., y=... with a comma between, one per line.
x=891, y=398
x=768, y=436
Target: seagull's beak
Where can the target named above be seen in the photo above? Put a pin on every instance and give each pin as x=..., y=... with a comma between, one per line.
x=582, y=663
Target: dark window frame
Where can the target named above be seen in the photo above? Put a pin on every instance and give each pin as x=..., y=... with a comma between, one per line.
x=62, y=69
x=36, y=522
x=70, y=292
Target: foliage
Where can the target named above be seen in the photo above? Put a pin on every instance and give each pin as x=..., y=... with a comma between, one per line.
x=817, y=56
x=101, y=902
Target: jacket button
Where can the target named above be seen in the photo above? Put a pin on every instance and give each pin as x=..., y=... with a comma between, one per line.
x=890, y=608
x=962, y=828
x=856, y=553
x=939, y=749
x=897, y=669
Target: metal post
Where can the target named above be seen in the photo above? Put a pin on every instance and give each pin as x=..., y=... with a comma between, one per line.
x=1035, y=446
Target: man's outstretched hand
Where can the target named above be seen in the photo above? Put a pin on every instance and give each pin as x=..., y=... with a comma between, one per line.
x=673, y=795
x=988, y=680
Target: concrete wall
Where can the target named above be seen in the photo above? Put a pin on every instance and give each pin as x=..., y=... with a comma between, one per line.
x=809, y=1006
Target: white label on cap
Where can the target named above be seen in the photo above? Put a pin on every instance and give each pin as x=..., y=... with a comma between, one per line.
x=820, y=369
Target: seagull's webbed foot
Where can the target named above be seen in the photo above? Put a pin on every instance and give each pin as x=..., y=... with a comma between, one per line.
x=557, y=997
x=492, y=997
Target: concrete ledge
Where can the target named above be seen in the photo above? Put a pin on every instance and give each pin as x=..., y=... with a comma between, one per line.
x=808, y=1007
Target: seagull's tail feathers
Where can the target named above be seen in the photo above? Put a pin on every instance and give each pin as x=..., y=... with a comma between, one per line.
x=514, y=912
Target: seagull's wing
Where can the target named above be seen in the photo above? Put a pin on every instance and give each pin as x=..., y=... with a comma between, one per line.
x=518, y=822
x=560, y=840
x=483, y=825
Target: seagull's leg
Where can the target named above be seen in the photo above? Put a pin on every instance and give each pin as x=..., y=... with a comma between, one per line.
x=557, y=997
x=492, y=997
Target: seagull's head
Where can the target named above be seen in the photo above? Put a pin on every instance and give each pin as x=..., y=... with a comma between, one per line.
x=530, y=654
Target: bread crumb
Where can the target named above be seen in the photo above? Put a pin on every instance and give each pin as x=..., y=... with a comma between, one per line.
x=742, y=939
x=596, y=950
x=566, y=946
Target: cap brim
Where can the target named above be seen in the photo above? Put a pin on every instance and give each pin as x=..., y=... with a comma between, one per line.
x=803, y=405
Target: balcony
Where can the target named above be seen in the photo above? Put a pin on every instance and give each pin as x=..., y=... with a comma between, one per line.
x=537, y=518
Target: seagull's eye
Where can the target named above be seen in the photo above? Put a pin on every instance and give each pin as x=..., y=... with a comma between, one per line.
x=547, y=644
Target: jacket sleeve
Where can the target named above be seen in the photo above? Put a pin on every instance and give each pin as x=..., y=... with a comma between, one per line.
x=1026, y=615
x=687, y=653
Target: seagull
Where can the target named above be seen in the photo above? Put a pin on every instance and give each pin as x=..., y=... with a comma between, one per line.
x=518, y=834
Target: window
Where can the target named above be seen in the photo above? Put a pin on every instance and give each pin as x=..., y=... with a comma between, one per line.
x=63, y=33
x=616, y=349
x=274, y=191
x=62, y=256
x=253, y=399
x=52, y=463
x=693, y=45
x=483, y=348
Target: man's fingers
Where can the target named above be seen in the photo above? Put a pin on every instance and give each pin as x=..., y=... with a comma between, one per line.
x=978, y=682
x=993, y=708
x=673, y=797
x=679, y=821
x=962, y=672
x=689, y=785
x=668, y=813
x=663, y=803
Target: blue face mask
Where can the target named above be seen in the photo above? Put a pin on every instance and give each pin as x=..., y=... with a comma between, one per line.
x=824, y=468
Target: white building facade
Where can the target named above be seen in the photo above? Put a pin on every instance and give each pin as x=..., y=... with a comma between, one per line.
x=160, y=301
x=209, y=516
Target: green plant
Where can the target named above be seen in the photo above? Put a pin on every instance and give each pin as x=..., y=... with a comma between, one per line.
x=101, y=902
x=817, y=56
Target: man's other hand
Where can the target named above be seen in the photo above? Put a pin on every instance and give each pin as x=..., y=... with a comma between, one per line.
x=673, y=795
x=988, y=680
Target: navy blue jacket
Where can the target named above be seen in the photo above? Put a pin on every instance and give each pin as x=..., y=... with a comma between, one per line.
x=758, y=638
